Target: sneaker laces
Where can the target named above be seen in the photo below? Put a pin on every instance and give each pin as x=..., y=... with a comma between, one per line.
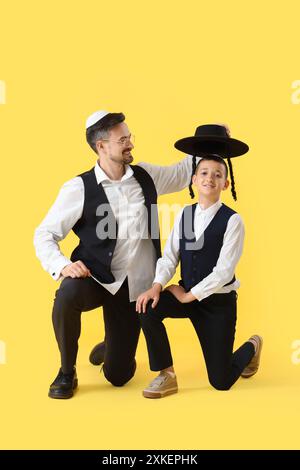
x=160, y=379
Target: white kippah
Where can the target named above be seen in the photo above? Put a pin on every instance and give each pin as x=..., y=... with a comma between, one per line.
x=95, y=117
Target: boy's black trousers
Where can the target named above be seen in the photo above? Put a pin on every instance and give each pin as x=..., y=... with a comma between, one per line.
x=214, y=320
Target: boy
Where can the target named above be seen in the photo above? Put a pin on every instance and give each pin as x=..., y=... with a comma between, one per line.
x=207, y=239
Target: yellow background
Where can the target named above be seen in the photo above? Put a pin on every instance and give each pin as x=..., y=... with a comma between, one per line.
x=169, y=66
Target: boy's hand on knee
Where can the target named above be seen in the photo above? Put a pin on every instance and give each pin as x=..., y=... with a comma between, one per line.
x=180, y=294
x=143, y=299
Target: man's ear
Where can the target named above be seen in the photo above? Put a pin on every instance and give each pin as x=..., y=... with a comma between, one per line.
x=226, y=185
x=99, y=145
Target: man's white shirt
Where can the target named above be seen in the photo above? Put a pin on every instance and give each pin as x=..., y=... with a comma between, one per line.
x=133, y=257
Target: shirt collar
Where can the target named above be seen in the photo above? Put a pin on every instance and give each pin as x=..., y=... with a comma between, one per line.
x=101, y=176
x=210, y=210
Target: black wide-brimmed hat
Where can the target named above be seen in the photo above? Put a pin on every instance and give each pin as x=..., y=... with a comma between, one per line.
x=212, y=139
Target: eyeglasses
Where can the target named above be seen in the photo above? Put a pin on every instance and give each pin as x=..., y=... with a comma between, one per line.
x=123, y=141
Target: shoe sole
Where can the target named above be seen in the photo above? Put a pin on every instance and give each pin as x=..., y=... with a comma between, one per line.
x=148, y=394
x=95, y=362
x=247, y=376
x=64, y=397
x=250, y=374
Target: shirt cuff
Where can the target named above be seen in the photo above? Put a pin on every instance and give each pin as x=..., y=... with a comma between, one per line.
x=160, y=280
x=58, y=267
x=196, y=293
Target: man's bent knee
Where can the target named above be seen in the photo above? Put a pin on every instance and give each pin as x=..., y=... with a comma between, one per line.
x=117, y=378
x=70, y=291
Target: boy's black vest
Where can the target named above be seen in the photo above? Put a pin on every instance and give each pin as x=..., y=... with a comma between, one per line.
x=96, y=253
x=198, y=258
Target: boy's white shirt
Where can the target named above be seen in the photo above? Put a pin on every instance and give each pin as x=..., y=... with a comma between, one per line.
x=229, y=256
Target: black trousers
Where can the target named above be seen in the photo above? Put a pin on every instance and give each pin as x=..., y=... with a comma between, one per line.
x=214, y=320
x=122, y=325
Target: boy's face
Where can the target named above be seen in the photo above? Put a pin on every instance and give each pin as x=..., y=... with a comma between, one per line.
x=210, y=178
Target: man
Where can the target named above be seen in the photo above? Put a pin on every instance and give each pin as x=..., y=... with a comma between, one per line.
x=109, y=268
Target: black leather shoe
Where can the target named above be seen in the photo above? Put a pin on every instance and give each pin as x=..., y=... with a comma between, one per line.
x=64, y=385
x=97, y=354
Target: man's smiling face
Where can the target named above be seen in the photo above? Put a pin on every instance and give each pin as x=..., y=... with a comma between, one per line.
x=118, y=146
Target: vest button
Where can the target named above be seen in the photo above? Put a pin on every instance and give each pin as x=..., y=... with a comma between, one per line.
x=110, y=253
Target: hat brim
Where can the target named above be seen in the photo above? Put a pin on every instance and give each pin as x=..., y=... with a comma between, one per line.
x=226, y=147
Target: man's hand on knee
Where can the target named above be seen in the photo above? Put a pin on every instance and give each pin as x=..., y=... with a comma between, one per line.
x=74, y=270
x=143, y=299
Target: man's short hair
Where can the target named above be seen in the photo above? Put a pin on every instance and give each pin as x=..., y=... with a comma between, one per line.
x=100, y=130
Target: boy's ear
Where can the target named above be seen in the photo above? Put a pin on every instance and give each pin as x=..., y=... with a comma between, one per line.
x=226, y=185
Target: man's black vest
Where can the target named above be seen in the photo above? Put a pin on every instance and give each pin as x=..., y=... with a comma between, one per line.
x=96, y=253
x=198, y=258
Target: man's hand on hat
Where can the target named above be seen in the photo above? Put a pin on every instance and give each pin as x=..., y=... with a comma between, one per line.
x=224, y=125
x=180, y=294
x=75, y=270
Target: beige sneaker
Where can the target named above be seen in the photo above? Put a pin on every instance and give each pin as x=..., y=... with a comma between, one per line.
x=164, y=384
x=253, y=365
